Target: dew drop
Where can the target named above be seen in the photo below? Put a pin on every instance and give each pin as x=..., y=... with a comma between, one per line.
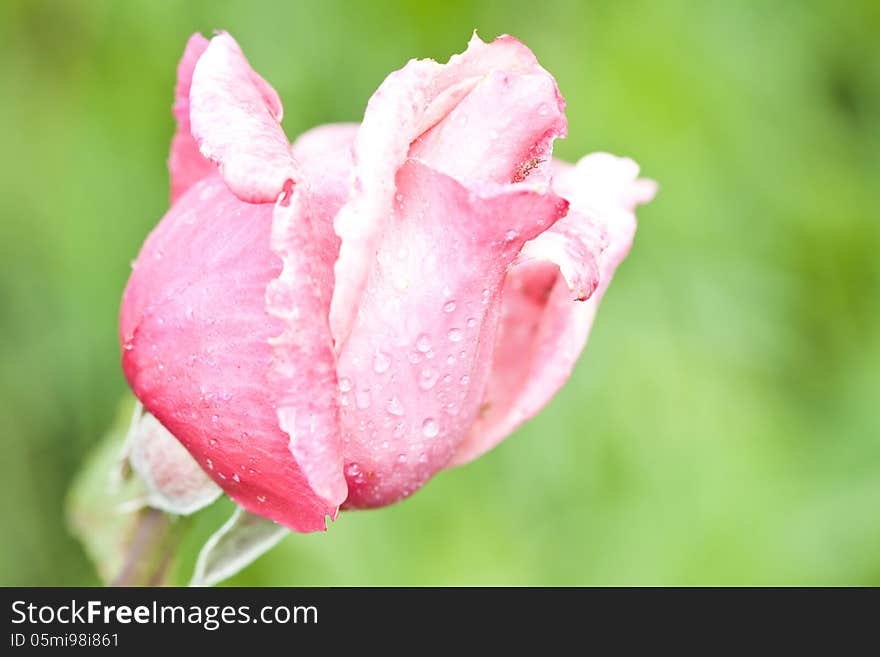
x=430, y=427
x=423, y=342
x=427, y=378
x=212, y=442
x=471, y=322
x=464, y=380
x=399, y=430
x=381, y=362
x=415, y=357
x=450, y=360
x=449, y=307
x=401, y=458
x=261, y=498
x=345, y=384
x=394, y=406
x=454, y=335
x=511, y=235
x=236, y=478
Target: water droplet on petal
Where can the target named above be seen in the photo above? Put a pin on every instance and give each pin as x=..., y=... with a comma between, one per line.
x=454, y=335
x=423, y=342
x=471, y=322
x=430, y=427
x=394, y=406
x=381, y=362
x=449, y=307
x=415, y=357
x=464, y=380
x=428, y=377
x=511, y=235
x=345, y=384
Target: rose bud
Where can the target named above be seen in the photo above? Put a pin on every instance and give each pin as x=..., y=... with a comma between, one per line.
x=329, y=324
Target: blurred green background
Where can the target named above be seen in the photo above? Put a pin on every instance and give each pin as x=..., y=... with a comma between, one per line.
x=723, y=425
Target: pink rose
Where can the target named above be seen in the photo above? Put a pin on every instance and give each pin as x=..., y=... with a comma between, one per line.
x=329, y=324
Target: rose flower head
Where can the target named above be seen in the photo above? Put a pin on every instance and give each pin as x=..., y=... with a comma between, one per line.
x=329, y=323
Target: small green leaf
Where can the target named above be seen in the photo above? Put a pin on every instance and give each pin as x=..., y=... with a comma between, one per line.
x=106, y=510
x=240, y=541
x=173, y=479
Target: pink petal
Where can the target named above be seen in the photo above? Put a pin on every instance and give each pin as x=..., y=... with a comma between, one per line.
x=235, y=117
x=414, y=367
x=544, y=319
x=407, y=104
x=501, y=131
x=185, y=163
x=195, y=335
x=324, y=158
x=303, y=369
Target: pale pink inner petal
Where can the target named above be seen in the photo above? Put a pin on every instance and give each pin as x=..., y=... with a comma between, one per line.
x=324, y=158
x=407, y=104
x=552, y=293
x=414, y=367
x=501, y=131
x=235, y=117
